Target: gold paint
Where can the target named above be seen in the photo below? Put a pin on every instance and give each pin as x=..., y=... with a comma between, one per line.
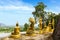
x=53, y=24
x=16, y=32
x=49, y=29
x=30, y=30
x=40, y=26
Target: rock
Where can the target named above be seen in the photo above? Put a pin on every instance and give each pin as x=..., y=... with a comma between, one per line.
x=56, y=33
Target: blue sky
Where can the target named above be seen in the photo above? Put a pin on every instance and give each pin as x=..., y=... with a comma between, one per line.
x=12, y=11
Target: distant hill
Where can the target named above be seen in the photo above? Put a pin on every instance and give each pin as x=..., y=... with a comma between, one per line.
x=1, y=24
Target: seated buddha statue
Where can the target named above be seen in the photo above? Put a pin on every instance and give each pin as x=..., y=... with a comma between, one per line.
x=30, y=30
x=16, y=32
x=48, y=28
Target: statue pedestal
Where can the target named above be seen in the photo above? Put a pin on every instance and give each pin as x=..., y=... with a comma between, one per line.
x=28, y=38
x=15, y=36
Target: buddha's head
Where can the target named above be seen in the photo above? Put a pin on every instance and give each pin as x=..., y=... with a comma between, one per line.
x=17, y=24
x=40, y=20
x=32, y=20
x=49, y=23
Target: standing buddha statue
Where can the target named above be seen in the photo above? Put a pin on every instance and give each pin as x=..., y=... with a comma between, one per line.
x=44, y=29
x=40, y=26
x=53, y=24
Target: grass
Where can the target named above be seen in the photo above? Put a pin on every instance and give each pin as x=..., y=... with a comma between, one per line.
x=10, y=29
x=7, y=29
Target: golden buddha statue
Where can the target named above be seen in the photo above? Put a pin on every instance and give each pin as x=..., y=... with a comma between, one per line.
x=44, y=29
x=53, y=24
x=30, y=30
x=40, y=26
x=16, y=32
x=49, y=29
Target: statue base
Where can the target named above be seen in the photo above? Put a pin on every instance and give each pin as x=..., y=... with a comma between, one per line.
x=15, y=36
x=41, y=32
x=30, y=34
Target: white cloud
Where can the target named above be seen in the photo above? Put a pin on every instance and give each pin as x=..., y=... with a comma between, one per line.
x=16, y=5
x=26, y=8
x=52, y=10
x=11, y=11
